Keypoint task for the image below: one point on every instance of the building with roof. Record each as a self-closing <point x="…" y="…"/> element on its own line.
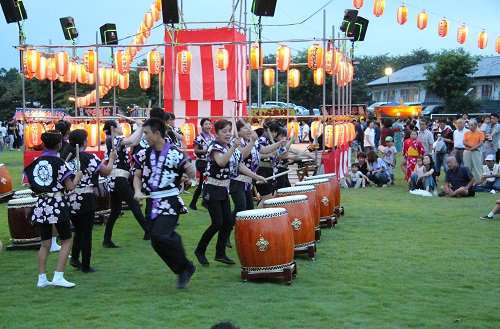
<point x="406" y="84"/>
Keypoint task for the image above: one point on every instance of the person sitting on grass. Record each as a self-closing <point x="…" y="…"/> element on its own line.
<point x="355" y="178"/>
<point x="377" y="173"/>
<point x="493" y="212"/>
<point x="424" y="179"/>
<point x="490" y="181"/>
<point x="458" y="181"/>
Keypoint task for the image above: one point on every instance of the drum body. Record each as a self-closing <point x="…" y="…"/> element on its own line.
<point x="307" y="190"/>
<point x="324" y="195"/>
<point x="23" y="194"/>
<point x="5" y="181"/>
<point x="103" y="201"/>
<point x="335" y="185"/>
<point x="264" y="240"/>
<point x="300" y="218"/>
<point x="19" y="212"/>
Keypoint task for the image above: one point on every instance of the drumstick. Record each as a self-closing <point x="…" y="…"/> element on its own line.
<point x="77" y="157"/>
<point x="270" y="136"/>
<point x="302" y="153"/>
<point x="145" y="197"/>
<point x="280" y="174"/>
<point x="68" y="157"/>
<point x="245" y="124"/>
<point x="112" y="139"/>
<point x="289" y="144"/>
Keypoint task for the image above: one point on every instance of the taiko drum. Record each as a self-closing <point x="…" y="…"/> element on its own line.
<point x="335" y="185"/>
<point x="310" y="192"/>
<point x="23" y="194"/>
<point x="300" y="217"/>
<point x="5" y="181"/>
<point x="19" y="212"/>
<point x="324" y="195"/>
<point x="264" y="240"/>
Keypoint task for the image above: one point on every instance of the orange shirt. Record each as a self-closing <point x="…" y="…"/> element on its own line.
<point x="473" y="138"/>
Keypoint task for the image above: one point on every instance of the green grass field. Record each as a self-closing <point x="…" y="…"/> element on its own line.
<point x="394" y="261"/>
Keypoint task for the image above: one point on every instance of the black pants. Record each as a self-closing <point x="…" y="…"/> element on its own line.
<point x="167" y="243"/>
<point x="242" y="199"/>
<point x="82" y="240"/>
<point x="123" y="192"/>
<point x="220" y="214"/>
<point x="200" y="167"/>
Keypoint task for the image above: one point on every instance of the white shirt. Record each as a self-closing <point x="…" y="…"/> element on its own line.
<point x="458" y="138"/>
<point x="488" y="171"/>
<point x="369" y="137"/>
<point x="305" y="133"/>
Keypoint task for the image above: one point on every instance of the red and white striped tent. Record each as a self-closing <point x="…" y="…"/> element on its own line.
<point x="206" y="91"/>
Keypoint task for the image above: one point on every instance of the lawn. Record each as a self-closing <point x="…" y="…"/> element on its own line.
<point x="395" y="260"/>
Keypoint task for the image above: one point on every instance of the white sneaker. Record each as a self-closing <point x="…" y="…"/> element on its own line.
<point x="61" y="282"/>
<point x="493" y="192"/>
<point x="385" y="185"/>
<point x="43" y="283"/>
<point x="55" y="247"/>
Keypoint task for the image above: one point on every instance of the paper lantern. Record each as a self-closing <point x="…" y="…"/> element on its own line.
<point x="123" y="83"/>
<point x="115" y="78"/>
<point x="145" y="79"/>
<point x="93" y="134"/>
<point x="41" y="72"/>
<point x="105" y="76"/>
<point x="329" y="142"/>
<point x="132" y="50"/>
<point x="62" y="62"/>
<point x="422" y="20"/>
<point x="122" y="62"/>
<point x="402" y="14"/>
<point x="292" y="126"/>
<point x="482" y="40"/>
<point x="221" y="59"/>
<point x="357" y="4"/>
<point x="319" y="76"/>
<point x="283" y="58"/>
<point x="248" y="78"/>
<point x="462" y="34"/>
<point x="146" y="32"/>
<point x="329" y="61"/>
<point x="148" y="20"/>
<point x="269" y="77"/>
<point x="158" y="4"/>
<point x="256" y="58"/>
<point x="443" y="28"/>
<point x="378" y="7"/>
<point x="155" y="13"/>
<point x="294" y="78"/>
<point x="91" y="78"/>
<point x="126" y="128"/>
<point x="62" y="78"/>
<point x="51" y="70"/>
<point x="89" y="61"/>
<point x="315" y="57"/>
<point x="32" y="60"/>
<point x="184" y="62"/>
<point x="81" y="74"/>
<point x="71" y="74"/>
<point x="497" y="45"/>
<point x="33" y="134"/>
<point x="154" y="62"/>
<point x="316" y="128"/>
<point x="189" y="132"/>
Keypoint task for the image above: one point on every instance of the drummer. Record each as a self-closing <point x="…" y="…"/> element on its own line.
<point x="83" y="202"/>
<point x="49" y="176"/>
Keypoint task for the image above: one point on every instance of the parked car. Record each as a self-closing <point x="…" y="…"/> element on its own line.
<point x="371" y="108"/>
<point x="432" y="109"/>
<point x="279" y="104"/>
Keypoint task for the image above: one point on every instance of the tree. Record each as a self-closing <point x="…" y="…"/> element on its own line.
<point x="450" y="78"/>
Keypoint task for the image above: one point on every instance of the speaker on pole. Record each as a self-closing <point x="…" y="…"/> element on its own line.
<point x="170" y="11"/>
<point x="109" y="36"/>
<point x="69" y="28"/>
<point x="13" y="10"/>
<point x="349" y="20"/>
<point x="359" y="30"/>
<point x="263" y="7"/>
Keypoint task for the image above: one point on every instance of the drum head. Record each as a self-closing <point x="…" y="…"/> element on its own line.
<point x="260" y="213"/>
<point x="313" y="182"/>
<point x="295" y="189"/>
<point x="320" y="176"/>
<point x="285" y="200"/>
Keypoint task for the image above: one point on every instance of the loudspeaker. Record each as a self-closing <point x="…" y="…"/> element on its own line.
<point x="69" y="28"/>
<point x="349" y="19"/>
<point x="109" y="36"/>
<point x="13" y="10"/>
<point x="359" y="30"/>
<point x="263" y="7"/>
<point x="170" y="11"/>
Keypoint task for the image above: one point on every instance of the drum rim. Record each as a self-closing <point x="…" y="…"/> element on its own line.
<point x="320" y="176"/>
<point x="22" y="201"/>
<point x="313" y="182"/>
<point x="258" y="213"/>
<point x="306" y="188"/>
<point x="291" y="199"/>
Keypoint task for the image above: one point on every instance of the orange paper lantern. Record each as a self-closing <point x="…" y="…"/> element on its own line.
<point x="292" y="126"/>
<point x="145" y="79"/>
<point x="482" y="40"/>
<point x="41" y="72"/>
<point x="221" y="59"/>
<point x="32" y="60"/>
<point x="283" y="58"/>
<point x="497" y="45"/>
<point x="184" y="62"/>
<point x="378" y="7"/>
<point x="269" y="77"/>
<point x="122" y="62"/>
<point x="154" y="62"/>
<point x="316" y="129"/>
<point x="248" y="78"/>
<point x="33" y="134"/>
<point x="123" y="83"/>
<point x="402" y="15"/>
<point x="148" y="20"/>
<point x="443" y="28"/>
<point x="158" y="4"/>
<point x="256" y="58"/>
<point x="329" y="61"/>
<point x="62" y="62"/>
<point x="315" y="57"/>
<point x="126" y="128"/>
<point x="93" y="134"/>
<point x="357" y="4"/>
<point x="71" y="74"/>
<point x="462" y="34"/>
<point x="146" y="32"/>
<point x="189" y="132"/>
<point x="294" y="78"/>
<point x="319" y="76"/>
<point x="422" y="20"/>
<point x="155" y="12"/>
<point x="81" y="74"/>
<point x="115" y="78"/>
<point x="329" y="142"/>
<point x="89" y="61"/>
<point x="91" y="78"/>
<point x="51" y="70"/>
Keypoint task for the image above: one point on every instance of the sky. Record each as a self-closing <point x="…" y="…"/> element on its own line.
<point x="293" y="20"/>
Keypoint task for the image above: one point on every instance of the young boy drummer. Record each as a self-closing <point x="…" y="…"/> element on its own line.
<point x="49" y="176"/>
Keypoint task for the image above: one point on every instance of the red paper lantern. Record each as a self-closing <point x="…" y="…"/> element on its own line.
<point x="62" y="62"/>
<point x="402" y="15"/>
<point x="422" y="20"/>
<point x="269" y="77"/>
<point x="357" y="4"/>
<point x="294" y="78"/>
<point x="189" y="132"/>
<point x="89" y="61"/>
<point x="482" y="40"/>
<point x="221" y="59"/>
<point x="283" y="58"/>
<point x="184" y="62"/>
<point x="319" y="76"/>
<point x="122" y="62"/>
<point x="51" y="69"/>
<point x="315" y="57"/>
<point x="462" y="34"/>
<point x="329" y="61"/>
<point x="32" y="60"/>
<point x="378" y="7"/>
<point x="497" y="45"/>
<point x="443" y="28"/>
<point x="154" y="62"/>
<point x="256" y="58"/>
<point x="145" y="79"/>
<point x="123" y="83"/>
<point x="41" y="72"/>
<point x="33" y="134"/>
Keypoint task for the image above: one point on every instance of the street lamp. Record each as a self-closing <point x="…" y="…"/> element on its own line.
<point x="388" y="72"/>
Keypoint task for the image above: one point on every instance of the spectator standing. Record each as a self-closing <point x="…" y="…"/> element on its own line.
<point x="369" y="140"/>
<point x="473" y="140"/>
<point x="425" y="136"/>
<point x="398" y="129"/>
<point x="444" y="135"/>
<point x="412" y="149"/>
<point x="11" y="127"/>
<point x="494" y="136"/>
<point x="458" y="141"/>
<point x="376" y="127"/>
<point x="304" y="131"/>
<point x="2" y="136"/>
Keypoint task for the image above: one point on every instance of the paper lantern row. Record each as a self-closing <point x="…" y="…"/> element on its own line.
<point x="336" y="135"/>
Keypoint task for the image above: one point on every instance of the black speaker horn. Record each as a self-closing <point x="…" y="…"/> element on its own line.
<point x="359" y="30"/>
<point x="263" y="7"/>
<point x="69" y="28"/>
<point x="170" y="11"/>
<point x="109" y="36"/>
<point x="349" y="20"/>
<point x="13" y="10"/>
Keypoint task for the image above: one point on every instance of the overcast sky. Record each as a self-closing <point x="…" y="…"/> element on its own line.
<point x="384" y="34"/>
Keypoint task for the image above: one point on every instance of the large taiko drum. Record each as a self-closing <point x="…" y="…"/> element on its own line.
<point x="301" y="220"/>
<point x="103" y="201"/>
<point x="336" y="188"/>
<point x="325" y="196"/>
<point x="264" y="241"/>
<point x="23" y="194"/>
<point x="5" y="182"/>
<point x="19" y="212"/>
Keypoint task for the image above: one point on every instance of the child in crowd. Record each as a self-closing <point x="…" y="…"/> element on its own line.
<point x="389" y="156"/>
<point x="425" y="180"/>
<point x="417" y="172"/>
<point x="355" y="178"/>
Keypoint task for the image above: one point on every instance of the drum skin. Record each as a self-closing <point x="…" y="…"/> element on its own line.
<point x="310" y="192"/>
<point x="5" y="181"/>
<point x="299" y="216"/>
<point x="324" y="194"/>
<point x="264" y="239"/>
<point x="19" y="212"/>
<point x="22" y="194"/>
<point x="335" y="184"/>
